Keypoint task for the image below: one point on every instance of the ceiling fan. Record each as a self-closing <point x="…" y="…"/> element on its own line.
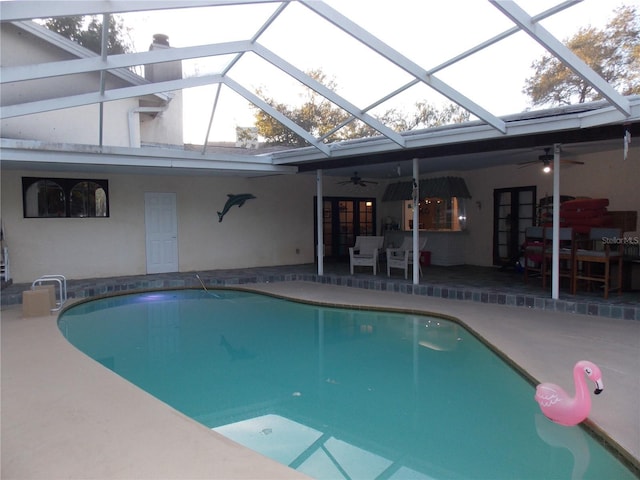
<point x="357" y="180"/>
<point x="547" y="161"/>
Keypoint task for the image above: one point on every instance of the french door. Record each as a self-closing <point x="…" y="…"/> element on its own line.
<point x="344" y="218"/>
<point x="514" y="209"/>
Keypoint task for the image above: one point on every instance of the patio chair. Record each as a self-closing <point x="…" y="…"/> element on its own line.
<point x="565" y="254"/>
<point x="604" y="249"/>
<point x="402" y="256"/>
<point x="365" y="252"/>
<point x="532" y="250"/>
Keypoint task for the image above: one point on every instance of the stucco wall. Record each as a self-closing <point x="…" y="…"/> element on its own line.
<point x="78" y="124"/>
<point x="81" y="125"/>
<point x="164" y="128"/>
<point x="603" y="175"/>
<point x="74" y="125"/>
<point x="274" y="229"/>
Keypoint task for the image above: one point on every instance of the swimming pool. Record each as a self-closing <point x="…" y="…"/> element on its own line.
<point x="335" y="393"/>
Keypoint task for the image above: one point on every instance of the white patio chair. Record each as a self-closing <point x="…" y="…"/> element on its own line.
<point x="402" y="256"/>
<point x="365" y="252"/>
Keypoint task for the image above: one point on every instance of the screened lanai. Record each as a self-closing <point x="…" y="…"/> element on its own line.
<point x="274" y="45"/>
<point x="174" y="118"/>
<point x="363" y="59"/>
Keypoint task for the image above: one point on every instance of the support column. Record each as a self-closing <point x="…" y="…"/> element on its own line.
<point x="319" y="222"/>
<point x="555" y="261"/>
<point x="416" y="222"/>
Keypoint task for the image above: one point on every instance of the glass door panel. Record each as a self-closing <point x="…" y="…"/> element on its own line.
<point x="365" y="217"/>
<point x="327" y="227"/>
<point x="346" y="236"/>
<point x="514" y="210"/>
<point x="343" y="220"/>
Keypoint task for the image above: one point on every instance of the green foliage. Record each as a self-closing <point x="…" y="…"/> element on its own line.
<point x="90" y="36"/>
<point x="319" y="117"/>
<point x="425" y="115"/>
<point x="613" y="53"/>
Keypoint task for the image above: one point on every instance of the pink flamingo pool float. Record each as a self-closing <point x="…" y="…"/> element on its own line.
<point x="558" y="406"/>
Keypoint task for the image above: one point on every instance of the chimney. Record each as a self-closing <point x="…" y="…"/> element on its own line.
<point x="160" y="39"/>
<point x="160" y="72"/>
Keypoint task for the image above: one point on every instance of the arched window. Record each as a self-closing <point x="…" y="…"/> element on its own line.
<point x="88" y="199"/>
<point x="64" y="197"/>
<point x="45" y="198"/>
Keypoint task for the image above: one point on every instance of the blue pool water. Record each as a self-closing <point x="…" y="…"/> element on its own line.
<point x="336" y="393"/>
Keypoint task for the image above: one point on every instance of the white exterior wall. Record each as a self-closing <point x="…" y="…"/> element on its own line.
<point x="79" y="124"/>
<point x="164" y="128"/>
<point x="604" y="175"/>
<point x="268" y="230"/>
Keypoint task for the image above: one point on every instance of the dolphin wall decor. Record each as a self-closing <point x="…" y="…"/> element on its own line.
<point x="234" y="200"/>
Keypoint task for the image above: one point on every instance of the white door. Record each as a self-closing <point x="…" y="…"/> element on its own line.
<point x="161" y="227"/>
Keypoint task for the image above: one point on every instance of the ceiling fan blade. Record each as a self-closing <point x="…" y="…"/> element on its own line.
<point x="357" y="180"/>
<point x="527" y="164"/>
<point x="530" y="162"/>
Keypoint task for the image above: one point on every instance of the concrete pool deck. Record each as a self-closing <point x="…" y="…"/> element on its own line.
<point x="66" y="416"/>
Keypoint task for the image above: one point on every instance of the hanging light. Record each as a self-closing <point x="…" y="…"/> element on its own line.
<point x="546" y="160"/>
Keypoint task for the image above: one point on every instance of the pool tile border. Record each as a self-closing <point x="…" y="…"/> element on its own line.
<point x="97" y="287"/>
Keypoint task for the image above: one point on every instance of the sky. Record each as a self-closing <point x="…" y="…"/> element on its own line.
<point x="427" y="32"/>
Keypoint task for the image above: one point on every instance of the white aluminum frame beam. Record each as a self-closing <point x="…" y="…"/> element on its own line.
<point x="31" y="151"/>
<point x="605" y="115"/>
<point x="96" y="64"/>
<point x="327" y="93"/>
<point x="27" y="10"/>
<point x="541" y="35"/>
<point x="336" y="18"/>
<point x="21" y="109"/>
<point x="290" y="124"/>
<point x="501" y="36"/>
<point x="461" y="56"/>
<point x="495" y="126"/>
<point x="235" y="60"/>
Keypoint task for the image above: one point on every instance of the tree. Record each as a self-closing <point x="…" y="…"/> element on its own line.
<point x="425" y="115"/>
<point x="73" y="28"/>
<point x="613" y="53"/>
<point x="319" y="116"/>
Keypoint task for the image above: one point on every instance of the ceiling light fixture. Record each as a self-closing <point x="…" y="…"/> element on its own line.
<point x="546" y="160"/>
